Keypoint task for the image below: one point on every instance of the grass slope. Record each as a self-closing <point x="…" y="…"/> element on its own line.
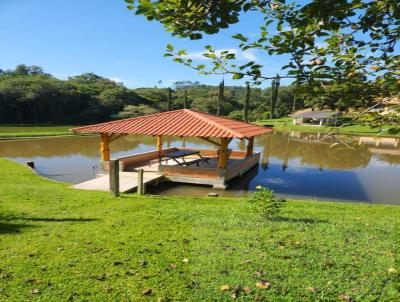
<point x="285" y="124"/>
<point x="59" y="244"/>
<point x="33" y="131"/>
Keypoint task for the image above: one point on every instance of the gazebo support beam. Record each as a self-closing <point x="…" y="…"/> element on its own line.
<point x="223" y="153"/>
<point x="159" y="143"/>
<point x="250" y="147"/>
<point x="105" y="147"/>
<point x="210" y="141"/>
<point x="114" y="137"/>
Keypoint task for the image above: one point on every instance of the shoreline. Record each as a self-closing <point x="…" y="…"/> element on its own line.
<point x="275" y="126"/>
<point x="286" y="126"/>
<point x="6" y="138"/>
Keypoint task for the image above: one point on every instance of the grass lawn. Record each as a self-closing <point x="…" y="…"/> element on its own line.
<point x="59" y="244"/>
<point x="32" y="131"/>
<point x="283" y="124"/>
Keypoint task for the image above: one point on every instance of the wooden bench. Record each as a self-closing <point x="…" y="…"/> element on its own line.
<point x="181" y="154"/>
<point x="198" y="161"/>
<point x="158" y="161"/>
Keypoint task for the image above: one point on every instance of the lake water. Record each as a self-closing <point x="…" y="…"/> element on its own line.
<point x="293" y="164"/>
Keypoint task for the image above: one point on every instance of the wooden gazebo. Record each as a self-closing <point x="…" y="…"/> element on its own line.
<point x="224" y="163"/>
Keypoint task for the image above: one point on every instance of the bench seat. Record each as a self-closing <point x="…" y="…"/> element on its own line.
<point x="198" y="161"/>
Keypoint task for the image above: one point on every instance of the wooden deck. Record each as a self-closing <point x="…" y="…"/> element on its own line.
<point x="203" y="172"/>
<point x="127" y="181"/>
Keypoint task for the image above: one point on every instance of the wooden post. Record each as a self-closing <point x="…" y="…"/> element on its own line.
<point x="114" y="177"/>
<point x="223" y="153"/>
<point x="159" y="143"/>
<point x="105" y="147"/>
<point x="31" y="164"/>
<point x="250" y="146"/>
<point x="140" y="184"/>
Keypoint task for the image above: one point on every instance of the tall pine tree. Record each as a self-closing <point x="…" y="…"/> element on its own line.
<point x="275" y="88"/>
<point x="246" y="103"/>
<point x="220" y="97"/>
<point x="185" y="99"/>
<point x="169" y="99"/>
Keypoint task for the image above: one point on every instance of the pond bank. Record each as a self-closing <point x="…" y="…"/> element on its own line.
<point x="286" y="124"/>
<point x="32" y="131"/>
<point x="54" y="238"/>
<point x="293" y="164"/>
<point x="283" y="124"/>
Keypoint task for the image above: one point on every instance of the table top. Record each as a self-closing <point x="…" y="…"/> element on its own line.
<point x="183" y="153"/>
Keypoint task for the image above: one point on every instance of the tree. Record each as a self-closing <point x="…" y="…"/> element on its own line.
<point x="35" y="70"/>
<point x="36" y="98"/>
<point x="353" y="42"/>
<point x="275" y="91"/>
<point x="134" y="111"/>
<point x="23" y="69"/>
<point x="88" y="77"/>
<point x="169" y="106"/>
<point x="185" y="84"/>
<point x="185" y="100"/>
<point x="246" y="103"/>
<point x="220" y="100"/>
<point x="289" y="100"/>
<point x="114" y="99"/>
<point x="33" y="99"/>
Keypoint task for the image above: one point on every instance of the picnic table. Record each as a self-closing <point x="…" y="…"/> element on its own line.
<point x="175" y="155"/>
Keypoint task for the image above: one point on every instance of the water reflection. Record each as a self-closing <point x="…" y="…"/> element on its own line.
<point x="311" y="149"/>
<point x="292" y="163"/>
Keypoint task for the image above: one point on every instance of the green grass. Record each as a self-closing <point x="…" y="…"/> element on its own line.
<point x="286" y="124"/>
<point x="59" y="244"/>
<point x="33" y="131"/>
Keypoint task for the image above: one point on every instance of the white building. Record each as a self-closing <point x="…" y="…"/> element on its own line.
<point x="316" y="118"/>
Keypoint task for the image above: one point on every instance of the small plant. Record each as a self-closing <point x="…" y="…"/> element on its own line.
<point x="267" y="204"/>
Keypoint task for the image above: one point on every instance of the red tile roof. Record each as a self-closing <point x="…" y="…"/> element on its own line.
<point x="183" y="122"/>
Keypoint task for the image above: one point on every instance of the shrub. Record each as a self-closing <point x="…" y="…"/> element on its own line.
<point x="134" y="111"/>
<point x="236" y="114"/>
<point x="267" y="204"/>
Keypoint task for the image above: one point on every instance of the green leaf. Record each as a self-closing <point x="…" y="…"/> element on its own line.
<point x="170" y="47"/>
<point x="237" y="76"/>
<point x="195" y="36"/>
<point x="240" y="37"/>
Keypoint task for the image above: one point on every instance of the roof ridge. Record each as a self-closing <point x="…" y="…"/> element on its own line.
<point x="201" y="116"/>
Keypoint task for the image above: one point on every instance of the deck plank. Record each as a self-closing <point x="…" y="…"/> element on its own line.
<point x="127" y="181"/>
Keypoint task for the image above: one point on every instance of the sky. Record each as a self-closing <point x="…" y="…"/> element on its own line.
<point x="67" y="38"/>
